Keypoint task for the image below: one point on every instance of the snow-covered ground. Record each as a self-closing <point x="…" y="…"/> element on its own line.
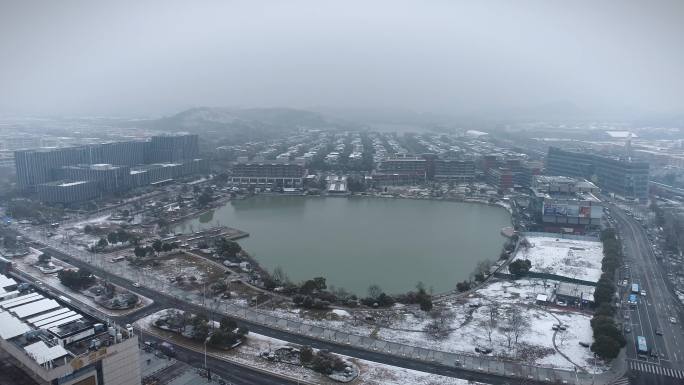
<point x="469" y="325"/>
<point x="580" y="259"/>
<point x="372" y="373"/>
<point x="27" y="265"/>
<point x="459" y="325"/>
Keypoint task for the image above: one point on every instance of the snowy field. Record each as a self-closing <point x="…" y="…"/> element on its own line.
<point x="460" y="325"/>
<point x="565" y="257"/>
<point x="468" y="325"/>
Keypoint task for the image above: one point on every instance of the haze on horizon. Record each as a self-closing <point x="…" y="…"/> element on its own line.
<point x="449" y="57"/>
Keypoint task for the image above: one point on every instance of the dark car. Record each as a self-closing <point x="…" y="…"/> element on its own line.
<point x="483" y="350"/>
<point x="659" y="332"/>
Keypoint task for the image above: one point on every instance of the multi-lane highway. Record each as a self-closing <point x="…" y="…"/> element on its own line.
<point x="664" y="361"/>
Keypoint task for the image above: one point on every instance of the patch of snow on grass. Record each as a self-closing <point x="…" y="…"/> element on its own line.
<point x="570" y="258"/>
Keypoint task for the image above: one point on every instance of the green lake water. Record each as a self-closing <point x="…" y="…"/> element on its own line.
<point x="356" y="242"/>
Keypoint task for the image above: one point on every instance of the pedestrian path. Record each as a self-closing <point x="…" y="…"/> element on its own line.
<point x="655" y="369"/>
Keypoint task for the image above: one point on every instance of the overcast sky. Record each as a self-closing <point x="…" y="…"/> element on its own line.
<point x="157" y="57"/>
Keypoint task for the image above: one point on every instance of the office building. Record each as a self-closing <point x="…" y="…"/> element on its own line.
<point x="122" y="153"/>
<point x="67" y="191"/>
<point x="566" y="204"/>
<point x="454" y="170"/>
<point x="401" y="170"/>
<point x="623" y="177"/>
<point x="158" y="172"/>
<point x="528" y="170"/>
<point x="59" y="173"/>
<point x="500" y="178"/>
<point x="109" y="177"/>
<point x="268" y="174"/>
<point x="55" y="343"/>
<point x="37" y="166"/>
<point x="172" y="148"/>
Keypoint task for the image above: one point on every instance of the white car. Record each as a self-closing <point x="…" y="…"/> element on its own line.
<point x="136" y="284"/>
<point x="673" y="320"/>
<point x="643" y="292"/>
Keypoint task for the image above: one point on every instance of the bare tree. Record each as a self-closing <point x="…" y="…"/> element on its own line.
<point x="279" y="275"/>
<point x="493" y="313"/>
<point x="490" y="323"/>
<point x="374" y="291"/>
<point x="509" y="334"/>
<point x="484" y="266"/>
<point x="515" y="326"/>
<point x="487" y="326"/>
<point x="518" y="323"/>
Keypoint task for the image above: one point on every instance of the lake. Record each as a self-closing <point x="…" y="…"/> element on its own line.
<point x="356" y="242"/>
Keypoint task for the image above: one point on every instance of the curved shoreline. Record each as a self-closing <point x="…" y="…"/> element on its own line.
<point x="449" y="285"/>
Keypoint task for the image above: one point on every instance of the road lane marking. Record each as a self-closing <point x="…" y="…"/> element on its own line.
<point x="655" y="369"/>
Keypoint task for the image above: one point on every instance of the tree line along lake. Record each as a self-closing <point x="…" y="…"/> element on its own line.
<point x="359" y="241"/>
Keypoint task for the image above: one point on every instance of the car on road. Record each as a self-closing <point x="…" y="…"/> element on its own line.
<point x="659" y="332"/>
<point x="628" y="329"/>
<point x="136" y="284"/>
<point x="673" y="320"/>
<point x="643" y="293"/>
<point x="625" y="282"/>
<point x="654" y="353"/>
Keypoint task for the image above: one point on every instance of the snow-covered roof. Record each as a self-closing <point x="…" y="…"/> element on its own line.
<point x="13" y="302"/>
<point x="34" y="308"/>
<point x="51" y="319"/>
<point x="47" y="315"/>
<point x="69" y="184"/>
<point x="11" y="326"/>
<point x="6" y="282"/>
<point x="63" y="321"/>
<point x="6" y="294"/>
<point x="43" y="353"/>
<point x="621" y="134"/>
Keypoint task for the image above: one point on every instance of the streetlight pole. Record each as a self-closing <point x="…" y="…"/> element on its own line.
<point x="205" y="352"/>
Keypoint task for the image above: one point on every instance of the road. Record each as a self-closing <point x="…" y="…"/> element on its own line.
<point x="653" y="311"/>
<point x="236" y="374"/>
<point x="163" y="300"/>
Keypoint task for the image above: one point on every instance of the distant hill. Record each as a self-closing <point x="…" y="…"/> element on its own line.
<point x="238" y="124"/>
<point x="218" y="117"/>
